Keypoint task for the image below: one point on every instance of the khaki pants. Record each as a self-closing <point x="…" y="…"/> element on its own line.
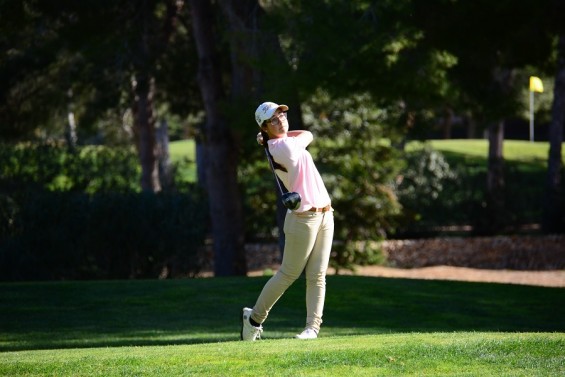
<point x="308" y="243"/>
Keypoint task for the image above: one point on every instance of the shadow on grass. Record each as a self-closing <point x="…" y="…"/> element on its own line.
<point x="141" y="313"/>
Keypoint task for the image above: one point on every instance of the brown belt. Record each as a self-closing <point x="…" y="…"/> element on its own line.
<point x="324" y="209"/>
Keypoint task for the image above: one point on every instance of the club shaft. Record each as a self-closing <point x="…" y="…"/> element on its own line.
<point x="273" y="170"/>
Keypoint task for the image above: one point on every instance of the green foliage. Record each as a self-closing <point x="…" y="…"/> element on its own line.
<point x="486" y="74"/>
<point x="358" y="166"/>
<point x="78" y="215"/>
<point x="60" y="59"/>
<point x="257" y="186"/>
<point x="422" y="180"/>
<point x="260" y="200"/>
<point x="421" y="190"/>
<point x="363" y="46"/>
<point x="8" y="213"/>
<point x="58" y="235"/>
<point x="91" y="169"/>
<point x="444" y="185"/>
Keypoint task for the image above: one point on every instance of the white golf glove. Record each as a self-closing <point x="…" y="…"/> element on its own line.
<point x="260" y="138"/>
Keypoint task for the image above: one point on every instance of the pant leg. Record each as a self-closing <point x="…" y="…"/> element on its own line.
<point x="300" y="237"/>
<point x="316" y="269"/>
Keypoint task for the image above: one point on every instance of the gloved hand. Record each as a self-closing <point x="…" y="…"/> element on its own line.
<point x="260" y="138"/>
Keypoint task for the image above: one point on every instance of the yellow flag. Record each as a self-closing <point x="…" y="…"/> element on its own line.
<point x="535" y="84"/>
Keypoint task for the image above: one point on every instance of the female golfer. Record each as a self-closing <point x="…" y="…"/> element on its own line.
<point x="308" y="230"/>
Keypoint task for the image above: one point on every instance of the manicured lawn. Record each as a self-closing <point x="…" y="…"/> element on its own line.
<point x="523" y="155"/>
<point x="183" y="154"/>
<point x="513" y="150"/>
<point x="373" y="326"/>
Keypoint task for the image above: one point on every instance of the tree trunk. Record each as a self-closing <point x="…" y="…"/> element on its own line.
<point x="250" y="43"/>
<point x="554" y="206"/>
<point x="495" y="179"/>
<point x="252" y="85"/>
<point x="165" y="168"/>
<point x="496" y="216"/>
<point x="447" y="123"/>
<point x="220" y="149"/>
<point x="71" y="129"/>
<point x="151" y="38"/>
<point x="144" y="128"/>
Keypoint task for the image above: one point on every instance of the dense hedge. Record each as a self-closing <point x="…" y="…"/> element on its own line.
<point x="436" y="196"/>
<point x="89" y="169"/>
<point x="79" y="215"/>
<point x="57" y="235"/>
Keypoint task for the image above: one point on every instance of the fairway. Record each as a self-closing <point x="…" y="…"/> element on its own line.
<point x="373" y="326"/>
<point x="524" y="154"/>
<point x="461" y="354"/>
<point x="514" y="150"/>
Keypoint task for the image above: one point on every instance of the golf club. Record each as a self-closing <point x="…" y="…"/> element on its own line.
<point x="290" y="200"/>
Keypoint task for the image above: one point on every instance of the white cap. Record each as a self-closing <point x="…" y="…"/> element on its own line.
<point x="266" y="110"/>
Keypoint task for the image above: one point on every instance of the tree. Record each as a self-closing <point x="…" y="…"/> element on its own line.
<point x="100" y="51"/>
<point x="220" y="148"/>
<point x="490" y="41"/>
<point x="554" y="204"/>
<point x="151" y="29"/>
<point x="33" y="69"/>
<point x="359" y="170"/>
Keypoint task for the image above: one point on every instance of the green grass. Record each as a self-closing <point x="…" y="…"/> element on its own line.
<point x="183" y="153"/>
<point x="524" y="155"/>
<point x="373" y="326"/>
<point x="513" y="150"/>
<point x="448" y="354"/>
<point x="525" y="175"/>
<point x="182" y="149"/>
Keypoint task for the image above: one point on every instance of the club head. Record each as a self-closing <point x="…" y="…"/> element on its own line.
<point x="291" y="200"/>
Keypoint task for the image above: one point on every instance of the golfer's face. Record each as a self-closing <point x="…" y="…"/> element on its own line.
<point x="277" y="126"/>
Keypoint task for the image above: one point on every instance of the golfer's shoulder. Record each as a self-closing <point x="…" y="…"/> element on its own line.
<point x="281" y="143"/>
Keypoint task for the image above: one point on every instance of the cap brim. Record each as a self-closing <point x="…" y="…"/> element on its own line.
<point x="272" y="112"/>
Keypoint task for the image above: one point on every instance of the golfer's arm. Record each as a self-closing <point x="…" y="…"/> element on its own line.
<point x="305" y="136"/>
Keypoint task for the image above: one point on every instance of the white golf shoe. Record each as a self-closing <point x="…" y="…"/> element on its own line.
<point x="308" y="333"/>
<point x="248" y="331"/>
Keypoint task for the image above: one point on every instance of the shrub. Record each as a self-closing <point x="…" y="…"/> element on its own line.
<point x="421" y="189"/>
<point x="61" y="235"/>
<point x="91" y="169"/>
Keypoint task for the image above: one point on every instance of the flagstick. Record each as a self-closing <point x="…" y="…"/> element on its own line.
<point x="531" y="116"/>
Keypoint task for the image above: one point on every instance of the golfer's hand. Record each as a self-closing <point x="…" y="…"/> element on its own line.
<point x="260" y="138"/>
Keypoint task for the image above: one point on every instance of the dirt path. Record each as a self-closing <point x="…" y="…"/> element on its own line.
<point x="541" y="278"/>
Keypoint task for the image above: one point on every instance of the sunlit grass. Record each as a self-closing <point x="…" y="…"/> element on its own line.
<point x="183" y="154"/>
<point x="513" y="150"/>
<point x="416" y="354"/>
<point x="182" y="149"/>
<point x="524" y="155"/>
<point x="373" y="326"/>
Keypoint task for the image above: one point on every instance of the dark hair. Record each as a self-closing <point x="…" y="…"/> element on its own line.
<point x="266" y="145"/>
